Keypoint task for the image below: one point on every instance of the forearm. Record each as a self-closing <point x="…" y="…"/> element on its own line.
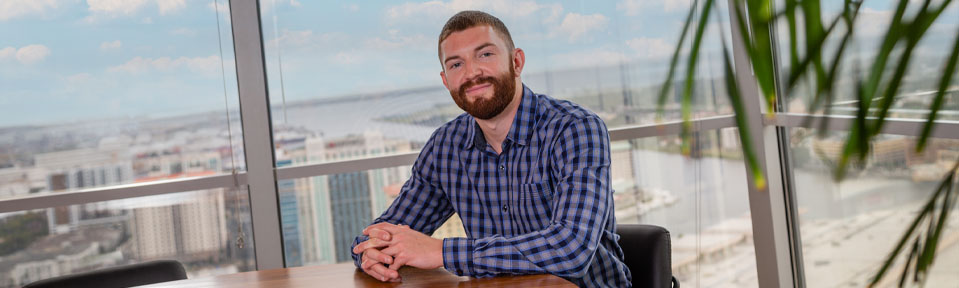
<point x="560" y="250"/>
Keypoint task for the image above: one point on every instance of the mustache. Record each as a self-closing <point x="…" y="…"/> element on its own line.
<point x="477" y="81"/>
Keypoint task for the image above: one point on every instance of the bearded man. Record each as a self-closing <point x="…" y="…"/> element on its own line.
<point x="527" y="174"/>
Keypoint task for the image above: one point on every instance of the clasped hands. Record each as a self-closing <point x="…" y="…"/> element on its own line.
<point x="396" y="246"/>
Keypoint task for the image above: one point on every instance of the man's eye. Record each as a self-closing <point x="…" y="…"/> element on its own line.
<point x="455" y="65"/>
<point x="486" y="54"/>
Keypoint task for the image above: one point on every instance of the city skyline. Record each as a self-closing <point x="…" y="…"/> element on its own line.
<point x="158" y="58"/>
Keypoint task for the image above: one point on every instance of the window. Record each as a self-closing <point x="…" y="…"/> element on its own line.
<point x="136" y="90"/>
<point x="199" y="229"/>
<point x="99" y="94"/>
<point x="322" y="215"/>
<point x="843" y="225"/>
<point x="916" y="92"/>
<point x="702" y="200"/>
<point x="348" y="72"/>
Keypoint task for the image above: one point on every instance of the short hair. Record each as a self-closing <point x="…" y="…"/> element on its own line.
<point x="469" y="19"/>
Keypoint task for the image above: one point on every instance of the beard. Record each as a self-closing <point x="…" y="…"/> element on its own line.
<point x="504" y="87"/>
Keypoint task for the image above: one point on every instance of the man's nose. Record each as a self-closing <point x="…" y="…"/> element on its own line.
<point x="472" y="71"/>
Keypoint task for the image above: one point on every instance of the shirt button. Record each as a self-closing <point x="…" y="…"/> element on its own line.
<point x="502" y="167"/>
<point x="505" y="208"/>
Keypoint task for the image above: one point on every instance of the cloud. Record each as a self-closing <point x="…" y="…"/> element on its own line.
<point x="397" y="41"/>
<point x="100" y="9"/>
<point x="111" y="45"/>
<point x="183" y="32"/>
<point x="168" y="6"/>
<point x="588" y="58"/>
<point x="347" y="57"/>
<point x="224" y="9"/>
<point x="267" y="5"/>
<point x="651" y="48"/>
<point x="10" y="9"/>
<point x="79" y="78"/>
<point x="27" y="55"/>
<point x="872" y="23"/>
<point x="637" y="7"/>
<point x="441" y="9"/>
<point x="576" y="25"/>
<point x="351" y="7"/>
<point x="307" y="41"/>
<point x="209" y="65"/>
<point x="115" y="7"/>
<point x="7" y="53"/>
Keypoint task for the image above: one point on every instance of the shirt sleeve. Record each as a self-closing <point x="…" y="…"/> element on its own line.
<point x="580" y="166"/>
<point x="421" y="204"/>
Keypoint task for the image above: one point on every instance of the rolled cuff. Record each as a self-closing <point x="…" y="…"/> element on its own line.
<point x="458" y="256"/>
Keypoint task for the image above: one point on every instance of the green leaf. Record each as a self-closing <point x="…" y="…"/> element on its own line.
<point x="928" y="254"/>
<point x="926" y="209"/>
<point x="664" y="92"/>
<point x="905" y="271"/>
<point x="892" y="36"/>
<point x="745" y="137"/>
<point x="760" y="16"/>
<point x="915" y="30"/>
<point x="691" y="75"/>
<point x="939" y="100"/>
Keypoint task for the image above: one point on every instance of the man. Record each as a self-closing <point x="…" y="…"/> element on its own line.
<point x="527" y="174"/>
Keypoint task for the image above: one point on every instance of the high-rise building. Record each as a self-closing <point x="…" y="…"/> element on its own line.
<point x="351" y="209"/>
<point x="190" y="227"/>
<point x="83" y="168"/>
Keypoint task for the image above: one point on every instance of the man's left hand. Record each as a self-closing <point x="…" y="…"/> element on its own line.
<point x="410" y="247"/>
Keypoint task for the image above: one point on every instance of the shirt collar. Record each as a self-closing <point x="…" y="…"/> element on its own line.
<point x="523" y="124"/>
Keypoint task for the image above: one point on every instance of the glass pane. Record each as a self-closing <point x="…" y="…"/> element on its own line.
<point x="919" y="84"/>
<point x="96" y="95"/>
<point x="339" y="70"/>
<point x="322" y="215"/>
<point x="199" y="229"/>
<point x="848" y="228"/>
<point x="702" y="199"/>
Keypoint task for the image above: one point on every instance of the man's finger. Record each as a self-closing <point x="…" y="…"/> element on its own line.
<point x="378" y="256"/>
<point x="400" y="261"/>
<point x="380" y="234"/>
<point x="366" y="231"/>
<point x="390" y="251"/>
<point x="375" y="273"/>
<point x="371" y="243"/>
<point x="386" y="273"/>
<point x="393" y="229"/>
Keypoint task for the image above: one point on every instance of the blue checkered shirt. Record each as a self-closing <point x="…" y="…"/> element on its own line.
<point x="544" y="205"/>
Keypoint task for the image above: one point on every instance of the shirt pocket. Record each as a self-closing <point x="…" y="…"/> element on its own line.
<point x="534" y="207"/>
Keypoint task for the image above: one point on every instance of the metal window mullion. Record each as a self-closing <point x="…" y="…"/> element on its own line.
<point x="904" y="127"/>
<point x="671" y="128"/>
<point x="767" y="206"/>
<point x="257" y="133"/>
<point x="85" y="196"/>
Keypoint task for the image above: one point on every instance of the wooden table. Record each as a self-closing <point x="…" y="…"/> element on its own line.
<point x="346" y="275"/>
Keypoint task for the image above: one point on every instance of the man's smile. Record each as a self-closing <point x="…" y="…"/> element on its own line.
<point x="478" y="88"/>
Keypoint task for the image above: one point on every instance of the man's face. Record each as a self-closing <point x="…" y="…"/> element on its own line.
<point x="478" y="71"/>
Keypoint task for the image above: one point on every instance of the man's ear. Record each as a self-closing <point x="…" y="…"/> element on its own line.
<point x="519" y="59"/>
<point x="443" y="75"/>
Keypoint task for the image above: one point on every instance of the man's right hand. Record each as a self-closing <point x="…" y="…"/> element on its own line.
<point x="372" y="259"/>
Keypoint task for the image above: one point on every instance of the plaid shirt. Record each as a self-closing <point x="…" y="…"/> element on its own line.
<point x="544" y="205"/>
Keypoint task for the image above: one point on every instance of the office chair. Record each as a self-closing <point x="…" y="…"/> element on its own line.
<point x="120" y="276"/>
<point x="646" y="252"/>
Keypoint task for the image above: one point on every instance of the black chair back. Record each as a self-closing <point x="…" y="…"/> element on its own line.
<point x="646" y="252"/>
<point x="120" y="276"/>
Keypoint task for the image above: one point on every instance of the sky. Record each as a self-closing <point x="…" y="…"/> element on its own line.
<point x="71" y="60"/>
